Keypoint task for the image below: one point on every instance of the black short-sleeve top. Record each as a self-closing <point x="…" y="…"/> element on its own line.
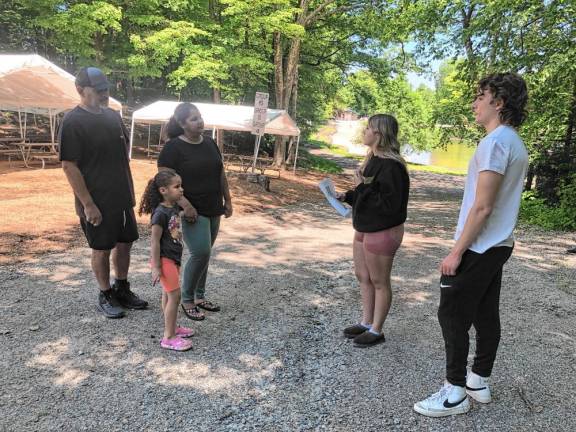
<point x="200" y="167"/>
<point x="98" y="143"/>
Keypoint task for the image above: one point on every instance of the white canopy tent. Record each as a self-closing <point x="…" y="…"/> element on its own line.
<point x="220" y="117"/>
<point x="32" y="84"/>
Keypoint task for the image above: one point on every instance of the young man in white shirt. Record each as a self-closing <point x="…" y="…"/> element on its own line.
<point x="471" y="274"/>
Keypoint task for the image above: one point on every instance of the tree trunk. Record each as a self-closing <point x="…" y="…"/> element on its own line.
<point x="278" y="71"/>
<point x="467" y="40"/>
<point x="293" y="112"/>
<point x="291" y="71"/>
<point x="571" y="127"/>
<point x="286" y="76"/>
<point x="129" y="85"/>
<point x="280" y="151"/>
<point x="529" y="177"/>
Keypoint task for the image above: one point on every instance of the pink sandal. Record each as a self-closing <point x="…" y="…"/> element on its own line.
<point x="176" y="344"/>
<point x="185" y="332"/>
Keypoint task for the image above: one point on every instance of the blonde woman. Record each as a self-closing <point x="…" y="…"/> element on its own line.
<point x="379" y="203"/>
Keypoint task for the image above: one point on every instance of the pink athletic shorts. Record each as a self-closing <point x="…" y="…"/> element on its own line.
<point x="170" y="279"/>
<point x="385" y="242"/>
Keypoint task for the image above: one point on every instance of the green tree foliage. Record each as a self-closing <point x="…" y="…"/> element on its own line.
<point x="534" y="38"/>
<point x="368" y="94"/>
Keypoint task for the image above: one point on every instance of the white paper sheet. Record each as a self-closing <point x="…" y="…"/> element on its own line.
<point x="327" y="188"/>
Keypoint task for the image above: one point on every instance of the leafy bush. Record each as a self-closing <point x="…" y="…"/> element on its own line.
<point x="535" y="211"/>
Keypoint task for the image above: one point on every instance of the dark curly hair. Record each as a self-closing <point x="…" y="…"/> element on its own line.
<point x="152" y="196"/>
<point x="512" y="91"/>
<point x="181" y="113"/>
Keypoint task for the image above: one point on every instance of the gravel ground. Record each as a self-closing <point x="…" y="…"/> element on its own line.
<point x="274" y="358"/>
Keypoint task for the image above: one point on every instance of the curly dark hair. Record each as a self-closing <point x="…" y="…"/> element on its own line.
<point x="152" y="196"/>
<point x="512" y="91"/>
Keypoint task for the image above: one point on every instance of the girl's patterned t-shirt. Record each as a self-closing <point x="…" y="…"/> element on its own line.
<point x="171" y="241"/>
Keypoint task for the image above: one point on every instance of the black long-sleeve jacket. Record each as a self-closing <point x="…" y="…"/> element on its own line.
<point x="381" y="201"/>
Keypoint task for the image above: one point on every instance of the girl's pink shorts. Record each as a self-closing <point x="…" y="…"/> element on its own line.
<point x="170" y="279"/>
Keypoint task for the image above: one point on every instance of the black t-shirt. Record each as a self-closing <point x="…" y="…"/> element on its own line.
<point x="171" y="241"/>
<point x="380" y="202"/>
<point x="200" y="166"/>
<point x="99" y="145"/>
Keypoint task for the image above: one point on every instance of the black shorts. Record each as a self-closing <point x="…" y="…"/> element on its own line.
<point x="116" y="227"/>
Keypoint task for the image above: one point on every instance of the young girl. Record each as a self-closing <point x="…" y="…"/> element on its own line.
<point x="379" y="204"/>
<point x="159" y="200"/>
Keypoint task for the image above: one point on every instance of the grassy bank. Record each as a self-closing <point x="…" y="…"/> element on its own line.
<point x="435" y="169"/>
<point x="312" y="162"/>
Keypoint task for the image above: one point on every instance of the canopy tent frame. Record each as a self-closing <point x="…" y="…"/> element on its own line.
<point x="219" y="117"/>
<point x="30" y="84"/>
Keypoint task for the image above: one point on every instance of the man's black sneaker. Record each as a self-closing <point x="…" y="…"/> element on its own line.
<point x="109" y="306"/>
<point x="126" y="297"/>
<point x="572" y="251"/>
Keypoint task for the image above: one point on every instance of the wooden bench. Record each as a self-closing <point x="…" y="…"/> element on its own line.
<point x="148" y="152"/>
<point x="44" y="157"/>
<point x="11" y="153"/>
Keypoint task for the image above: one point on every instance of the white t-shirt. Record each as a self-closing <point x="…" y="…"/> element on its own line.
<point x="501" y="151"/>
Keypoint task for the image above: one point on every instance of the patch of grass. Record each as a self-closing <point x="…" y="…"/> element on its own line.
<point x="325" y="133"/>
<point x="335" y="150"/>
<point x="435" y="169"/>
<point x="317" y="144"/>
<point x="317" y="163"/>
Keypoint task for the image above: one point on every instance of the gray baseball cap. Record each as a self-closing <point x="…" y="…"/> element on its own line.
<point x="92" y="77"/>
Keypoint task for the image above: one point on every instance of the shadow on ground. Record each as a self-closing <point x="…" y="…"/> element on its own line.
<point x="273" y="359"/>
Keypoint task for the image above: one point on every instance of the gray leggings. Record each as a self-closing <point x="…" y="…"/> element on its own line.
<point x="199" y="238"/>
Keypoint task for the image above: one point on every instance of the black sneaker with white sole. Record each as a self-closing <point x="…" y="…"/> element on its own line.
<point x="109" y="306"/>
<point x="126" y="297"/>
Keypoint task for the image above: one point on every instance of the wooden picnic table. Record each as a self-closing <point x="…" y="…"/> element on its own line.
<point x="10" y="139"/>
<point x="245" y="163"/>
<point x="45" y="151"/>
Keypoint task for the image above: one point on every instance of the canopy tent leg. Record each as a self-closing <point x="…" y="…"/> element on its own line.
<point x="160" y="135"/>
<point x="20" y="125"/>
<point x="51" y="126"/>
<point x="296" y="154"/>
<point x="25" y="125"/>
<point x="213" y="133"/>
<point x="148" y="144"/>
<point x="131" y="139"/>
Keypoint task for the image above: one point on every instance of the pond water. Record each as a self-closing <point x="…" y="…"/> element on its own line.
<point x="454" y="157"/>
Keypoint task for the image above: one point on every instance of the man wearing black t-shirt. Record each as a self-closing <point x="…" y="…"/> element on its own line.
<point x="94" y="155"/>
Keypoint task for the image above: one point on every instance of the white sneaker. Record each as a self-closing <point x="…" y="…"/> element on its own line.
<point x="450" y="400"/>
<point x="477" y="388"/>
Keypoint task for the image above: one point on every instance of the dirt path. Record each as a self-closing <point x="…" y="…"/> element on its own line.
<point x="273" y="359"/>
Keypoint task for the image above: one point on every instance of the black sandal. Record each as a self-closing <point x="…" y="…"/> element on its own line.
<point x="193" y="313"/>
<point x="208" y="305"/>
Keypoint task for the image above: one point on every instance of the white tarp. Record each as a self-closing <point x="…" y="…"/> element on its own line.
<point x="217" y="116"/>
<point x="32" y="84"/>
